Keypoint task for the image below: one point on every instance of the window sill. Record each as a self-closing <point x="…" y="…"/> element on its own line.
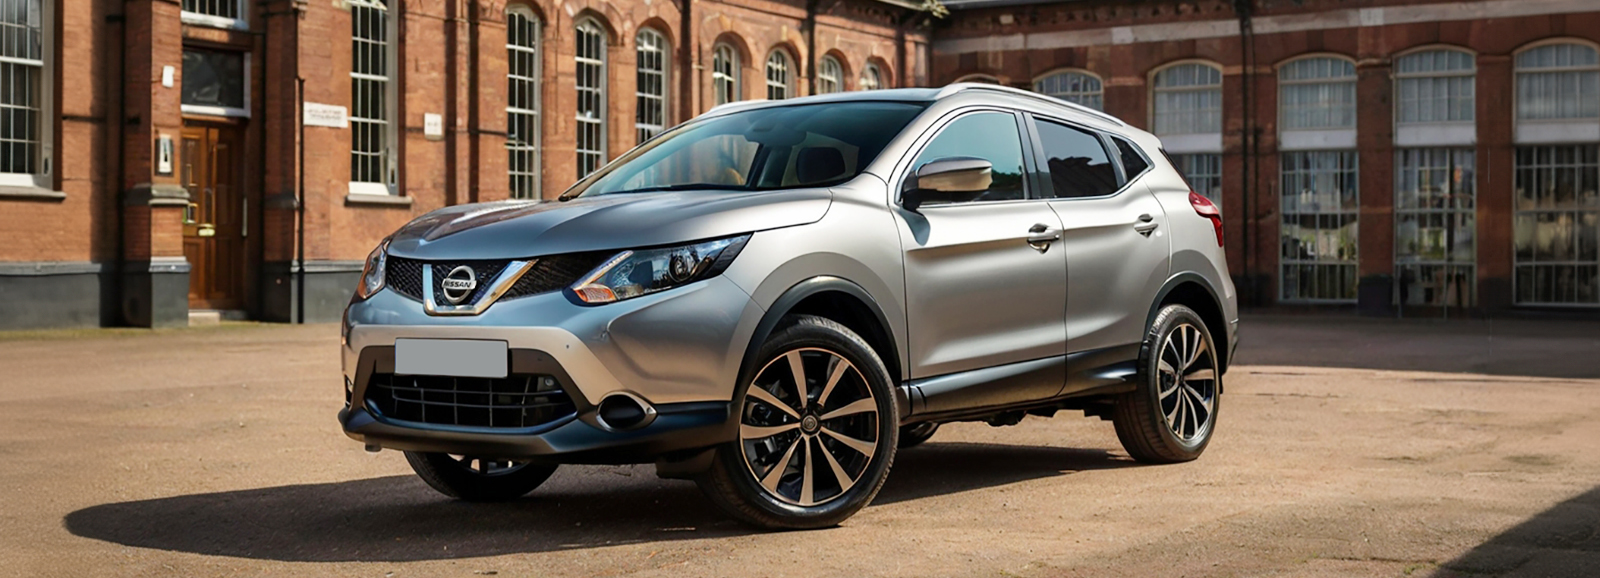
<point x="377" y="200"/>
<point x="30" y="193"/>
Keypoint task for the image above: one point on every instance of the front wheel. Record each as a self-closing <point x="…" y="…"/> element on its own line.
<point x="1172" y="414"/>
<point x="478" y="479"/>
<point x="818" y="429"/>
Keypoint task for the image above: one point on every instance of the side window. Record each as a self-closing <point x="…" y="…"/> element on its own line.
<point x="991" y="136"/>
<point x="1077" y="161"/>
<point x="1133" y="163"/>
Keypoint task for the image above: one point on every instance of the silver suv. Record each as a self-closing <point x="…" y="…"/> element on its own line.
<point x="774" y="298"/>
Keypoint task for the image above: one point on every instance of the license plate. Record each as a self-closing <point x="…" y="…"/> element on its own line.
<point x="451" y="357"/>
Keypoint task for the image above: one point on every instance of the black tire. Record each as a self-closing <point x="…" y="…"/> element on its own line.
<point x="1141" y="416"/>
<point x="456" y="477"/>
<point x="818" y="343"/>
<point x="915" y="434"/>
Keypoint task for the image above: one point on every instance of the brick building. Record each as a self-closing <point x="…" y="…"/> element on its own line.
<point x="162" y="156"/>
<point x="1409" y="153"/>
<point x="153" y="158"/>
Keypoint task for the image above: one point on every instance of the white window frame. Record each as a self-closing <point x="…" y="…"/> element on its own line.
<point x="658" y="43"/>
<point x="227" y="111"/>
<point x="389" y="186"/>
<point x="42" y="176"/>
<point x="1193" y="141"/>
<point x="1451" y="211"/>
<point x="830" y="72"/>
<point x="534" y="151"/>
<point x="1208" y="184"/>
<point x="721" y="54"/>
<point x="781" y="65"/>
<point x="1565" y="130"/>
<point x="1317" y="206"/>
<point x="1445" y="133"/>
<point x="202" y="19"/>
<point x="871" y="77"/>
<point x="599" y="122"/>
<point x="1091" y="98"/>
<point x="1311" y="138"/>
<point x="1539" y="210"/>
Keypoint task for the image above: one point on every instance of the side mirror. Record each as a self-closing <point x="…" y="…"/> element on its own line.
<point x="948" y="179"/>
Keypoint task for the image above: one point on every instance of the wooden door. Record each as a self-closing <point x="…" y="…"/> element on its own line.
<point x="214" y="227"/>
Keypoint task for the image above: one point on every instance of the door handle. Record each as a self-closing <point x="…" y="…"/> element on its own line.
<point x="1040" y="237"/>
<point x="1146" y="225"/>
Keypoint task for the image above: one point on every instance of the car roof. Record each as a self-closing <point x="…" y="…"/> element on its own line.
<point x="973" y="92"/>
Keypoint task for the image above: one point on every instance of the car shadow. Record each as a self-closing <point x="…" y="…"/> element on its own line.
<point x="1561" y="541"/>
<point x="397" y="518"/>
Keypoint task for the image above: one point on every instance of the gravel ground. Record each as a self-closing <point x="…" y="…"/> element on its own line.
<point x="1345" y="447"/>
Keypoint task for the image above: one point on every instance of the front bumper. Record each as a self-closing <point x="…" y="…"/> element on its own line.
<point x="678" y="351"/>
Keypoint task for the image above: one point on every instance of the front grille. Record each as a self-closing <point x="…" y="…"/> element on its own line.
<point x="552" y="273"/>
<point x="513" y="402"/>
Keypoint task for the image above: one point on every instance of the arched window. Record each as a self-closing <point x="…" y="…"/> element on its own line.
<point x="1074" y="87"/>
<point x="1317" y="93"/>
<point x="830" y="76"/>
<point x="372" y="154"/>
<point x="591" y="73"/>
<point x="522" y="102"/>
<point x="871" y="77"/>
<point x="652" y="83"/>
<point x="1186" y="107"/>
<point x="25" y="93"/>
<point x="1558" y="81"/>
<point x="1435" y="86"/>
<point x="725" y="73"/>
<point x="779" y="80"/>
<point x="1435" y="188"/>
<point x="1320" y="199"/>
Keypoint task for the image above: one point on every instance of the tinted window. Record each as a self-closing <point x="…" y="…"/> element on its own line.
<point x="1133" y="163"/>
<point x="811" y="145"/>
<point x="1077" y="162"/>
<point x="991" y="136"/>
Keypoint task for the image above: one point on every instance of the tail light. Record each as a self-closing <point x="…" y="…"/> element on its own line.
<point x="1205" y="208"/>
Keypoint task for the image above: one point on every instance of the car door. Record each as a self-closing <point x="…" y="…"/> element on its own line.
<point x="1115" y="242"/>
<point x="985" y="283"/>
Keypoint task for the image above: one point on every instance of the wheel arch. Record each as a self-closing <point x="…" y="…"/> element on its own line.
<point x="833" y="298"/>
<point x="1193" y="291"/>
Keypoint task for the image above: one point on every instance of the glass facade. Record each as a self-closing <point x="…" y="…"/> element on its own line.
<point x="1435" y="238"/>
<point x="1320" y="240"/>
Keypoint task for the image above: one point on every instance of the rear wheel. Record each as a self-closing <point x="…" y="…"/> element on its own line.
<point x="478" y="479"/>
<point x="1172" y="414"/>
<point x="817" y="431"/>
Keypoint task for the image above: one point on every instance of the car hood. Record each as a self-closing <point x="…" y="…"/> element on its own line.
<point x="514" y="229"/>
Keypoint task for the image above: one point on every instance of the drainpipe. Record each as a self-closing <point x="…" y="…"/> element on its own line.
<point x="115" y="135"/>
<point x="811" y="44"/>
<point x="1250" y="170"/>
<point x="300" y="204"/>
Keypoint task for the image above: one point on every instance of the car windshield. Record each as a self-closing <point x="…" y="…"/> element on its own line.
<point x="783" y="147"/>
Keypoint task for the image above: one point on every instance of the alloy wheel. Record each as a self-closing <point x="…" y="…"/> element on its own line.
<point x="809" y="427"/>
<point x="1188" y="382"/>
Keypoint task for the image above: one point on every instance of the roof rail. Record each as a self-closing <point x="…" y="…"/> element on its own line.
<point x="966" y="86"/>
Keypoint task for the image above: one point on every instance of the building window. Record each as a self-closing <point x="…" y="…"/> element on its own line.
<point x="215" y="82"/>
<point x="1074" y="87"/>
<point x="591" y="73"/>
<point x="1204" y="173"/>
<point x="1435" y="86"/>
<point x="371" y="106"/>
<point x="1317" y="94"/>
<point x="871" y="77"/>
<point x="25" y="85"/>
<point x="1558" y="81"/>
<point x="830" y="76"/>
<point x="522" y="102"/>
<point x="1435" y="226"/>
<point x="1557" y="225"/>
<point x="1320" y="205"/>
<point x="220" y="13"/>
<point x="778" y="79"/>
<point x="652" y="86"/>
<point x="1188" y="100"/>
<point x="725" y="74"/>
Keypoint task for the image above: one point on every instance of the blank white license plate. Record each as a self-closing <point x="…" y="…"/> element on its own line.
<point x="451" y="357"/>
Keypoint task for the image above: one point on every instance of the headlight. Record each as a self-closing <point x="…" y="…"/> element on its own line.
<point x="641" y="272"/>
<point x="372" y="272"/>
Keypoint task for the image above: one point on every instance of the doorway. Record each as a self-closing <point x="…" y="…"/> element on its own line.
<point x="216" y="221"/>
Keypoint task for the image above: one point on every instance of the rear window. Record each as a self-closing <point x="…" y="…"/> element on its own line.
<point x="1133" y="162"/>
